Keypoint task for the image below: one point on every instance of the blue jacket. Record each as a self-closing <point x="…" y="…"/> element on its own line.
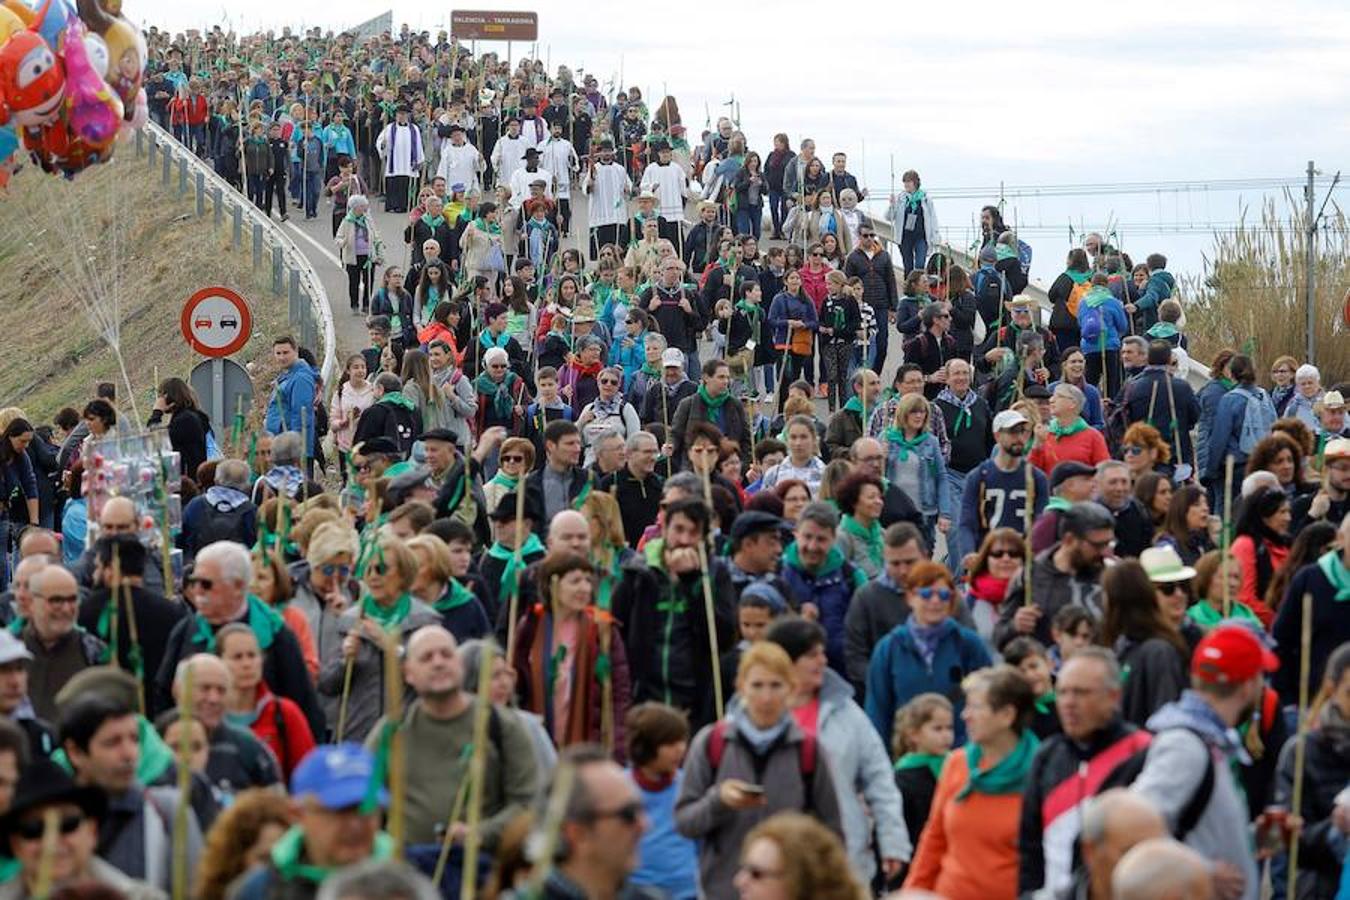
<point x="291" y="406"/>
<point x="831" y="589"/>
<point x="338" y="139"/>
<point x="898" y="673"/>
<point x="1209" y="398"/>
<point x="1114" y="321"/>
<point x="907" y="319"/>
<point x="1227" y="430"/>
<point x="935" y="493"/>
<point x="629" y="358"/>
<point x="1161" y="286"/>
<point x="786" y="307"/>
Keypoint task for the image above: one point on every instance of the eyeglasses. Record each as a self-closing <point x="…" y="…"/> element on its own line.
<point x="1282" y="371"/>
<point x="331" y="569"/>
<point x="66" y="599"/>
<point x="756" y="873"/>
<point x="513" y="458"/>
<point x="363" y="467"/>
<point x="817" y="255"/>
<point x="204" y="583"/>
<point x="1003" y="553"/>
<point x="32" y="829"/>
<point x="1102" y="546"/>
<point x="1132" y="449"/>
<point x="629" y="813"/>
<point x="928" y="593"/>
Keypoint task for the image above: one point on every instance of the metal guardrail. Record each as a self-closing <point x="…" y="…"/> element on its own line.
<point x="292" y="273"/>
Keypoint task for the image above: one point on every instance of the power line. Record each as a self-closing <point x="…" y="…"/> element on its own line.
<point x="1217" y="185"/>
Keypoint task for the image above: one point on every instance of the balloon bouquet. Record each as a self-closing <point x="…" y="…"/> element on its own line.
<point x="70" y="81"/>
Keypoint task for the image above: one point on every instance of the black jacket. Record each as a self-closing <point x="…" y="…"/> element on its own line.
<point x="187" y="435"/>
<point x="639" y="501"/>
<point x="733" y="424"/>
<point x="155" y="620"/>
<point x="1134" y="528"/>
<point x="679" y="327"/>
<point x="970" y="440"/>
<point x="652" y="409"/>
<point x="1150" y="400"/>
<point x="930" y="353"/>
<point x="700" y="246"/>
<point x="878" y="278"/>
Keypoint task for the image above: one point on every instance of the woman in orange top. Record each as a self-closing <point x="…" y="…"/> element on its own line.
<point x="969" y="847"/>
<point x="1261" y="546"/>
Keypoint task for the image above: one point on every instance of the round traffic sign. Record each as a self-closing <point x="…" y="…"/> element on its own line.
<point x="216" y="321"/>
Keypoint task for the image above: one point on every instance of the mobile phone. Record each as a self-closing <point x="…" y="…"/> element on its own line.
<point x="756" y="790"/>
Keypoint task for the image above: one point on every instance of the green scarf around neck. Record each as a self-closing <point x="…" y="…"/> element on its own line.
<point x="504" y="480"/>
<point x="455" y="596"/>
<point x="713" y="403"/>
<point x="1007" y="776"/>
<point x="1002" y="251"/>
<point x="389" y="618"/>
<point x="500" y="394"/>
<point x="1063" y="431"/>
<point x="288" y="849"/>
<point x="930" y="761"/>
<point x="1045" y="703"/>
<point x="1333" y="567"/>
<point x="897" y="437"/>
<point x="1059" y="503"/>
<point x="1077" y="277"/>
<point x="651" y="370"/>
<point x="854" y="404"/>
<point x="915" y="199"/>
<point x="870" y="536"/>
<point x="507" y="585"/>
<point x="264" y="622"/>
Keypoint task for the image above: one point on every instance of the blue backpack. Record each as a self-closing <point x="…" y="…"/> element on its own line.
<point x="1257" y="419"/>
<point x="1090" y="326"/>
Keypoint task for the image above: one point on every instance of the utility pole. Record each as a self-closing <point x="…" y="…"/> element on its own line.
<point x="1310" y="286"/>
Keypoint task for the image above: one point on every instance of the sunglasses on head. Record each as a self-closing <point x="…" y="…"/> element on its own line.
<point x="928" y="593"/>
<point x="32" y="829"/>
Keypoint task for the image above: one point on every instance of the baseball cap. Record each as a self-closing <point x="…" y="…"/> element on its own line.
<point x="12" y="649"/>
<point x="1009" y="418"/>
<point x="672" y="356"/>
<point x="337" y="776"/>
<point x="1231" y="654"/>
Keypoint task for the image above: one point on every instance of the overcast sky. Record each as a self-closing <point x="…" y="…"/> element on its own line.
<point x="969" y="94"/>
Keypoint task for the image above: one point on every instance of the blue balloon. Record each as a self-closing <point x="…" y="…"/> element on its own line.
<point x="9" y="142"/>
<point x="53" y="24"/>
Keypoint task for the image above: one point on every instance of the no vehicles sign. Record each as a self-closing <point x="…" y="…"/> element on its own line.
<point x="216" y="322"/>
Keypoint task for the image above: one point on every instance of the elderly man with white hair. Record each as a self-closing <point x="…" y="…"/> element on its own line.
<point x="219" y="589"/>
<point x="236" y="760"/>
<point x="224" y="512"/>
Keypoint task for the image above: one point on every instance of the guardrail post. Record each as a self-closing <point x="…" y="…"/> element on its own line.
<point x="218" y="204"/>
<point x="201" y="194"/>
<point x="238" y="237"/>
<point x="182" y="175"/>
<point x="168" y="161"/>
<point x="140" y="143"/>
<point x="278" y="257"/>
<point x="296" y="298"/>
<point x="150" y="152"/>
<point x="257" y="244"/>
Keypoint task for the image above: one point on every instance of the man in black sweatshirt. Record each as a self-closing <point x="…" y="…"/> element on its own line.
<point x="969" y="424"/>
<point x="276" y="180"/>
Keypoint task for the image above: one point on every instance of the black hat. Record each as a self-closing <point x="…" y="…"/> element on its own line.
<point x="1036" y="391"/>
<point x="532" y="152"/>
<point x="439" y="434"/>
<point x="1069" y="469"/>
<point x="557" y="92"/>
<point x="506" y="508"/>
<point x="754" y="522"/>
<point x="381" y="446"/>
<point x="455" y="126"/>
<point x="44" y="783"/>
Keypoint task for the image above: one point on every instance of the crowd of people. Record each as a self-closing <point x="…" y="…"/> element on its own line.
<point x="581" y="580"/>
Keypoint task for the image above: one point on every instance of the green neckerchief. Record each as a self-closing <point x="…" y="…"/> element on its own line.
<point x="930" y="761"/>
<point x="502" y="402"/>
<point x="482" y="225"/>
<point x="388" y="619"/>
<point x="1045" y="703"/>
<point x="903" y="444"/>
<point x="16" y="627"/>
<point x="1163" y="330"/>
<point x="914" y="199"/>
<point x="263" y="620"/>
<point x="854" y="404"/>
<point x="507" y="586"/>
<point x="397" y="398"/>
<point x="607" y="580"/>
<point x="1207" y="614"/>
<point x="1059" y="503"/>
<point x="1007" y="776"/>
<point x="713" y="403"/>
<point x="1077" y="277"/>
<point x="651" y="371"/>
<point x="433" y="222"/>
<point x="1227" y="383"/>
<point x="1002" y="252"/>
<point x="871" y="537"/>
<point x="1063" y="431"/>
<point x="156" y="755"/>
<point x="580" y="499"/>
<point x="455" y="596"/>
<point x="104" y="631"/>
<point x="488" y="341"/>
<point x="504" y="480"/>
<point x="287" y="850"/>
<point x="1334" y="569"/>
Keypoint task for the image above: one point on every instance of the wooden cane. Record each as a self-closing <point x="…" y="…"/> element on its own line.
<point x="180" y="819"/>
<point x="51" y="818"/>
<point x="606" y="624"/>
<point x="1028" y="515"/>
<point x="514" y="605"/>
<point x="712" y="626"/>
<point x="554" y="814"/>
<point x="1224" y="535"/>
<point x="347" y="677"/>
<point x="477" y="772"/>
<point x="1301" y="743"/>
<point x="393" y="712"/>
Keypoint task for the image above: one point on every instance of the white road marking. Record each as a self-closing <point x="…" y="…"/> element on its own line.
<point x="328" y="254"/>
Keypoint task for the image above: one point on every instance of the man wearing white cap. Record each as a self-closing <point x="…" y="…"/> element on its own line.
<point x="995" y="492"/>
<point x="1330" y="411"/>
<point x="674" y="383"/>
<point x="1331" y="502"/>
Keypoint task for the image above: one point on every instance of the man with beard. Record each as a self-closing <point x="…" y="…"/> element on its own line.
<point x="1067" y="574"/>
<point x="995" y="491"/>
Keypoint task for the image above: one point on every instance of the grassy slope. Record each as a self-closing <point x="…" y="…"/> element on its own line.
<point x="146" y="244"/>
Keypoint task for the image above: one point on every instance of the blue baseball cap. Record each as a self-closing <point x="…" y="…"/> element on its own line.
<point x="336" y="775"/>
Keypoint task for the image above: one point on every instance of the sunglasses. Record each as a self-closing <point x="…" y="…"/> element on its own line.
<point x="331" y="569"/>
<point x="928" y="593"/>
<point x="610" y="381"/>
<point x="380" y="568"/>
<point x="513" y="458"/>
<point x="32" y="829"/>
<point x="363" y="467"/>
<point x="1170" y="587"/>
<point x="817" y="255"/>
<point x="205" y="584"/>
<point x="1132" y="449"/>
<point x="629" y="813"/>
<point x="1003" y="553"/>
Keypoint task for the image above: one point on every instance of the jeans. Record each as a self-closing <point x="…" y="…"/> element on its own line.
<point x="691" y="364"/>
<point x="311" y="190"/>
<point x="256" y="185"/>
<point x="766" y="374"/>
<point x="297" y="181"/>
<point x="880" y="339"/>
<point x="750" y="220"/>
<point x="956" y="482"/>
<point x="913" y="252"/>
<point x="777" y="210"/>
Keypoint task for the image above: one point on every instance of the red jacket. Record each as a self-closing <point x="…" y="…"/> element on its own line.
<point x="189" y="110"/>
<point x="281" y="725"/>
<point x="1244" y="551"/>
<point x="1087" y="446"/>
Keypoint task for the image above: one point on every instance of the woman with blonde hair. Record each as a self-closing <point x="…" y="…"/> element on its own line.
<point x="914" y="463"/>
<point x="241" y="837"/>
<point x="795" y="857"/>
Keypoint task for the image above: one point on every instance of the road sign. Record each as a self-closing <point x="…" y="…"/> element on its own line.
<point x="216" y="321"/>
<point x="223" y="387"/>
<point x="494" y="25"/>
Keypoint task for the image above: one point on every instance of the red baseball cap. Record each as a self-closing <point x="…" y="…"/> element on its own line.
<point x="1231" y="654"/>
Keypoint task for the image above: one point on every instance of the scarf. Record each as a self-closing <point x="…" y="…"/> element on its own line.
<point x="651" y="371"/>
<point x="1163" y="331"/>
<point x="752" y="312"/>
<point x="264" y="621"/>
<point x="927" y="637"/>
<point x="869" y="535"/>
<point x="589" y="370"/>
<point x="388" y="619"/>
<point x="930" y="761"/>
<point x="507" y="585"/>
<point x="284" y="480"/>
<point x="433" y="222"/>
<point x="503" y="480"/>
<point x="1045" y="703"/>
<point x="1063" y="431"/>
<point x="854" y="404"/>
<point x="481" y="224"/>
<point x="603" y="408"/>
<point x="1007" y="776"/>
<point x="989" y="588"/>
<point x="486" y="338"/>
<point x="761" y="739"/>
<point x="499" y="393"/>
<point x="713" y="403"/>
<point x="287" y="850"/>
<point x="397" y="398"/>
<point x="1002" y="252"/>
<point x="904" y="445"/>
<point x="963" y="406"/>
<point x="455" y="596"/>
<point x="913" y="200"/>
<point x="1333" y="567"/>
<point x="1059" y="503"/>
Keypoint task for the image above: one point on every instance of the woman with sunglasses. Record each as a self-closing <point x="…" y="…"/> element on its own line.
<point x="1152" y="652"/>
<point x="566" y="650"/>
<point x="386" y="609"/>
<point x="609" y="412"/>
<point x="748" y="766"/>
<point x="1144" y="450"/>
<point x="930" y="651"/>
<point x="998" y="561"/>
<point x="515" y="460"/>
<point x="794" y="857"/>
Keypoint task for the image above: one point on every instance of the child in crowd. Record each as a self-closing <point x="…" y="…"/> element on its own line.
<point x="1072" y="629"/>
<point x="924" y="732"/>
<point x="657" y="739"/>
<point x="1030" y="658"/>
<point x="755" y="612"/>
<point x="547" y="407"/>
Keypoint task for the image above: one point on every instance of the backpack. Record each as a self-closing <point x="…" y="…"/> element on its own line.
<point x="1257" y="420"/>
<point x="223" y="524"/>
<point x="1076" y="294"/>
<point x="1091" y="328"/>
<point x="402" y="428"/>
<point x="1024" y="256"/>
<point x="806" y="756"/>
<point x="1125" y="774"/>
<point x="212" y="448"/>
